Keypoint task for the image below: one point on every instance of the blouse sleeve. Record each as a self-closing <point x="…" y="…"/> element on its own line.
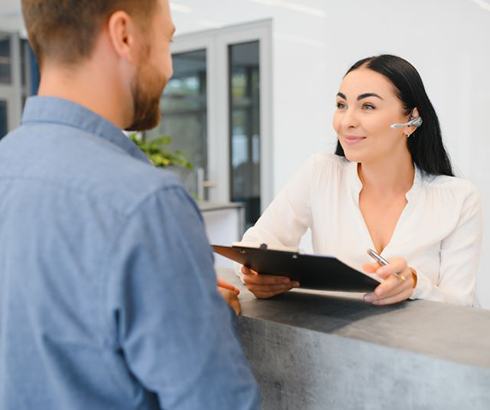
<point x="288" y="216"/>
<point x="459" y="254"/>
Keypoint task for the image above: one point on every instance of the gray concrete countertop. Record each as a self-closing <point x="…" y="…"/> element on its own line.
<point x="440" y="352"/>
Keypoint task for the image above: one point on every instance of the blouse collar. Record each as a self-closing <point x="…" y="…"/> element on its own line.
<point x="356" y="184"/>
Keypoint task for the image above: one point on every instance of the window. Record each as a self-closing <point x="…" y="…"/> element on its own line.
<point x="5" y="60"/>
<point x="244" y="90"/>
<point x="3" y="118"/>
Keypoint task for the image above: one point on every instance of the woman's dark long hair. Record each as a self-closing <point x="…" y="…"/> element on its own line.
<point x="425" y="144"/>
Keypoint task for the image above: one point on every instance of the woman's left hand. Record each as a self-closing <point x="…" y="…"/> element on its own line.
<point x="399" y="280"/>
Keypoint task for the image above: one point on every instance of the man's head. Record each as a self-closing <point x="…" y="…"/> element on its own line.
<point x="126" y="39"/>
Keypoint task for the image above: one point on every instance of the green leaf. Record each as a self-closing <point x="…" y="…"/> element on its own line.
<point x="159" y="154"/>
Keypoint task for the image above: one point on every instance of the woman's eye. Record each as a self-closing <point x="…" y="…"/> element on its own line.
<point x="368" y="107"/>
<point x="340" y="105"/>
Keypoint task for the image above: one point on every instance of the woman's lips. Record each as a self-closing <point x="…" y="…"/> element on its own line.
<point x="352" y="139"/>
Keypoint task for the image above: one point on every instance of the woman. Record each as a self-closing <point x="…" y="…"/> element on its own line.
<point x="389" y="187"/>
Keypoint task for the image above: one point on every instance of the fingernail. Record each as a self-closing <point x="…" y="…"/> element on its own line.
<point x="296" y="285"/>
<point x="369" y="297"/>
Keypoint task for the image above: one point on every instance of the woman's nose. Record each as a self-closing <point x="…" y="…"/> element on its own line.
<point x="349" y="119"/>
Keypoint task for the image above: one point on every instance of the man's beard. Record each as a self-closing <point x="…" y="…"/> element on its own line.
<point x="146" y="88"/>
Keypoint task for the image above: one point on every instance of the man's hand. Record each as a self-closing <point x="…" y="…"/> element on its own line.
<point x="230" y="295"/>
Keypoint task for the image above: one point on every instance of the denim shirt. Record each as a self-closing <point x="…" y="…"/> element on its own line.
<point x="108" y="294"/>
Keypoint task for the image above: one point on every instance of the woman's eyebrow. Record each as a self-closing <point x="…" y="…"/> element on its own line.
<point x="361" y="96"/>
<point x="366" y="95"/>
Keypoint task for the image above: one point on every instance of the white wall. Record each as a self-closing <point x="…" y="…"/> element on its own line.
<point x="10" y="16"/>
<point x="315" y="41"/>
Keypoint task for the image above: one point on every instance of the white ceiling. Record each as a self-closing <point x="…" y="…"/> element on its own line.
<point x="188" y="13"/>
<point x="193" y="15"/>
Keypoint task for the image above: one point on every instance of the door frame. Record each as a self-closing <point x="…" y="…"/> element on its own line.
<point x="216" y="42"/>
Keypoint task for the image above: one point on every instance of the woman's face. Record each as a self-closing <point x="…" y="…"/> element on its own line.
<point x="366" y="107"/>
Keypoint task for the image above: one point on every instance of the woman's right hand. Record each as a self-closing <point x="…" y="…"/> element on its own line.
<point x="266" y="286"/>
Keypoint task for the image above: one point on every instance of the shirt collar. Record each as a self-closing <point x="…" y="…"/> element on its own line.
<point x="356" y="184"/>
<point x="60" y="111"/>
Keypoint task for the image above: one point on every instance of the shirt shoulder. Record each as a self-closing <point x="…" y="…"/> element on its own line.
<point x="74" y="162"/>
<point x="132" y="181"/>
<point x="327" y="169"/>
<point x="460" y="193"/>
<point x="326" y="163"/>
<point x="451" y="186"/>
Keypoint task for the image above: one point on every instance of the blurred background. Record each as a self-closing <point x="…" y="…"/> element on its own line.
<point x="254" y="89"/>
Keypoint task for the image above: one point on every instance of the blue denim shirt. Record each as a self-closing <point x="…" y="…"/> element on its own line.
<point x="107" y="290"/>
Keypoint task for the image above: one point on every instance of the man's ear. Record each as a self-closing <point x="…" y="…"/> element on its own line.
<point x="122" y="33"/>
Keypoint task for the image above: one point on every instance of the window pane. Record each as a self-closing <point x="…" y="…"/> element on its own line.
<point x="184" y="112"/>
<point x="23" y="62"/>
<point x="3" y="118"/>
<point x="5" y="60"/>
<point x="244" y="89"/>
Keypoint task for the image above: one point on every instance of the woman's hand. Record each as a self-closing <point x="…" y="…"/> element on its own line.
<point x="399" y="280"/>
<point x="266" y="286"/>
<point x="230" y="295"/>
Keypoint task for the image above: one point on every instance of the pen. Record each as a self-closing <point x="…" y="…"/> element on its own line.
<point x="382" y="261"/>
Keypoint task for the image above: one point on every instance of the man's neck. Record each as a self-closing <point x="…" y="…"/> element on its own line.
<point x="90" y="88"/>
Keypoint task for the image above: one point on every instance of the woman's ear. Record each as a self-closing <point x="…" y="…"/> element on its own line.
<point x="415" y="113"/>
<point x="411" y="128"/>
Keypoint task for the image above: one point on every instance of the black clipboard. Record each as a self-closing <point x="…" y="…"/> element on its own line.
<point x="311" y="271"/>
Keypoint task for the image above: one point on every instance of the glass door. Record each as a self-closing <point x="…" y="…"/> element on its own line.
<point x="217" y="109"/>
<point x="185" y="116"/>
<point x="244" y="114"/>
<point x="246" y="52"/>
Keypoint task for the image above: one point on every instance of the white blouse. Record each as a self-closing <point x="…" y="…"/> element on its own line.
<point x="439" y="232"/>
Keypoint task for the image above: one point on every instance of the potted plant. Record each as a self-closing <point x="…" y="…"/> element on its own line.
<point x="158" y="153"/>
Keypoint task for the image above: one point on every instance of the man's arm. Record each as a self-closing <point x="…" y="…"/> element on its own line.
<point x="174" y="328"/>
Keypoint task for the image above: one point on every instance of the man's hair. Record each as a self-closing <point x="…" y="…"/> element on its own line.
<point x="66" y="30"/>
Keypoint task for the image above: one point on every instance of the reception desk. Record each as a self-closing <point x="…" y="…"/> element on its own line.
<point x="317" y="351"/>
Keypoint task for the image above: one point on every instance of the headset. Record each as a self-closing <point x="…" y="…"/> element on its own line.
<point x="415" y="122"/>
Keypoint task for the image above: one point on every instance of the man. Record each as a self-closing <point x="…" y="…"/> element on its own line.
<point x="107" y="291"/>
